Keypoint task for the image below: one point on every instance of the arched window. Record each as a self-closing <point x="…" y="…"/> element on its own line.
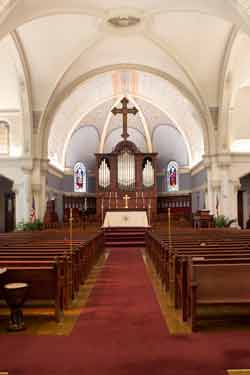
<point x="172" y="176"/>
<point x="4" y="138"/>
<point x="80" y="178"/>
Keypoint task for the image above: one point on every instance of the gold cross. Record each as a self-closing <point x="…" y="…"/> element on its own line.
<point x="126" y="198"/>
<point x="125" y="111"/>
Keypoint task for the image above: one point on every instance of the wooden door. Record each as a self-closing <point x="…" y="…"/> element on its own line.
<point x="240" y="209"/>
<point x="10" y="211"/>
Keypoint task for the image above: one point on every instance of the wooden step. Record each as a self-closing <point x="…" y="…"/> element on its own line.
<point x="125" y="244"/>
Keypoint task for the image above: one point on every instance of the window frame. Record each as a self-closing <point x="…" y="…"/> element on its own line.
<point x="4" y="124"/>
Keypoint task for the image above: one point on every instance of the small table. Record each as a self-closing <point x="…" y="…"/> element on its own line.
<point x="15" y="295"/>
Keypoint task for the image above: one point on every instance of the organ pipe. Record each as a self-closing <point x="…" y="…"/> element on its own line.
<point x="148" y="174"/>
<point x="104" y="174"/>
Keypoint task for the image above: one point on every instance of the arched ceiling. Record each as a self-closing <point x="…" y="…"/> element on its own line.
<point x="77" y="66"/>
<point x="9" y="92"/>
<point x="157" y="101"/>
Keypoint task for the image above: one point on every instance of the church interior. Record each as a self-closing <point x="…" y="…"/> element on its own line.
<point x="124" y="187"/>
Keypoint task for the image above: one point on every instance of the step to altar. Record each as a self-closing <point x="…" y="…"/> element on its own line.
<point x="125" y="237"/>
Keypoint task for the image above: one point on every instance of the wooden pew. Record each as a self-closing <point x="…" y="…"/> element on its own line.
<point x="36" y="255"/>
<point x="215" y="250"/>
<point x="183" y="283"/>
<point x="230" y="286"/>
<point x="45" y="280"/>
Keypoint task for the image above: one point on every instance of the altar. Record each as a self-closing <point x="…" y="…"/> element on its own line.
<point x="126" y="218"/>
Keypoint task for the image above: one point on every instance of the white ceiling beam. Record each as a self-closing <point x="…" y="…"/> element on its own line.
<point x="25" y="89"/>
<point x="225" y="92"/>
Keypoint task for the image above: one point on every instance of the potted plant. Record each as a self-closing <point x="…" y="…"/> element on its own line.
<point x="222" y="221"/>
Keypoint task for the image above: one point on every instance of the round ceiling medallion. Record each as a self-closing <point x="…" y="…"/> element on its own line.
<point x="124" y="21"/>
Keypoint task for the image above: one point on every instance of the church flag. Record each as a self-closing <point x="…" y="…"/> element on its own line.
<point x="33" y="211"/>
<point x="217" y="205"/>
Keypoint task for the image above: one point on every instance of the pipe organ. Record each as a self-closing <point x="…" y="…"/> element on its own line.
<point x="148" y="174"/>
<point x="104" y="174"/>
<point x="126" y="171"/>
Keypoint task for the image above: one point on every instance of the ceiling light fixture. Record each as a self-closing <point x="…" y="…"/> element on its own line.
<point x="124" y="21"/>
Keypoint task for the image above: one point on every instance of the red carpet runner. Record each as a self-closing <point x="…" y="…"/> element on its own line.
<point x="122" y="331"/>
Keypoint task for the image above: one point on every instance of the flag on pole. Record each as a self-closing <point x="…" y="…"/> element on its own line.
<point x="33" y="211"/>
<point x="217" y="205"/>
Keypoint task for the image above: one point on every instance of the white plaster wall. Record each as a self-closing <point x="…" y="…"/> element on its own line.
<point x="241" y="115"/>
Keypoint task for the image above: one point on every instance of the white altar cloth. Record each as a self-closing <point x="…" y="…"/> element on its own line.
<point x="126" y="219"/>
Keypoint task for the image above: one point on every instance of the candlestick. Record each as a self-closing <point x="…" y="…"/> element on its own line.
<point x="102" y="211"/>
<point x="143" y="202"/>
<point x="71" y="230"/>
<point x="110" y="195"/>
<point x="171" y="261"/>
<point x="116" y="202"/>
<point x="149" y="212"/>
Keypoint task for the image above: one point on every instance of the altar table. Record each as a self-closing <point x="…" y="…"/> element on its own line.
<point x="126" y="218"/>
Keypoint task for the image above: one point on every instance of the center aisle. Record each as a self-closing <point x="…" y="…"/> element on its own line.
<point x="121" y="331"/>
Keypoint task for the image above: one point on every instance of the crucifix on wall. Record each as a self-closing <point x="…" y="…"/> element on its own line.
<point x="125" y="111"/>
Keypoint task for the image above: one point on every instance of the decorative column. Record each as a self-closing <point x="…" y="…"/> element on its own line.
<point x="225" y="201"/>
<point x="17" y="189"/>
<point x="233" y="194"/>
<point x="27" y="194"/>
<point x="40" y="189"/>
<point x="215" y="197"/>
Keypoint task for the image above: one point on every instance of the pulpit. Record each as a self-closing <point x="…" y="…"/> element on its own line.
<point x="126" y="177"/>
<point x="50" y="219"/>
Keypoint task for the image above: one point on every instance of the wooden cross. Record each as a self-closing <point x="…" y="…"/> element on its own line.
<point x="125" y="111"/>
<point x="126" y="198"/>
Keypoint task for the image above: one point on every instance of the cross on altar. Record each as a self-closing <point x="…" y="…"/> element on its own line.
<point x="126" y="199"/>
<point x="125" y="111"/>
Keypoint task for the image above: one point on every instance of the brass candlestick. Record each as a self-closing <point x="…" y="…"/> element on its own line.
<point x="149" y="212"/>
<point x="143" y="202"/>
<point x="110" y="196"/>
<point x="171" y="261"/>
<point x="71" y="230"/>
<point x="116" y="201"/>
<point x="102" y="212"/>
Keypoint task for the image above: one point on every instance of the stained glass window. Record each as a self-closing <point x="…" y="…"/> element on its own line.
<point x="80" y="178"/>
<point x="4" y="138"/>
<point x="172" y="176"/>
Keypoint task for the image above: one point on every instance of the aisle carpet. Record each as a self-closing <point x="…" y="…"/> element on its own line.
<point x="122" y="331"/>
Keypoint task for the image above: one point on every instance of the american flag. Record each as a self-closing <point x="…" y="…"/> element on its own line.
<point x="33" y="211"/>
<point x="217" y="205"/>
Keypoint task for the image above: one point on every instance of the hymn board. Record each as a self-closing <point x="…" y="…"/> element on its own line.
<point x="126" y="177"/>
